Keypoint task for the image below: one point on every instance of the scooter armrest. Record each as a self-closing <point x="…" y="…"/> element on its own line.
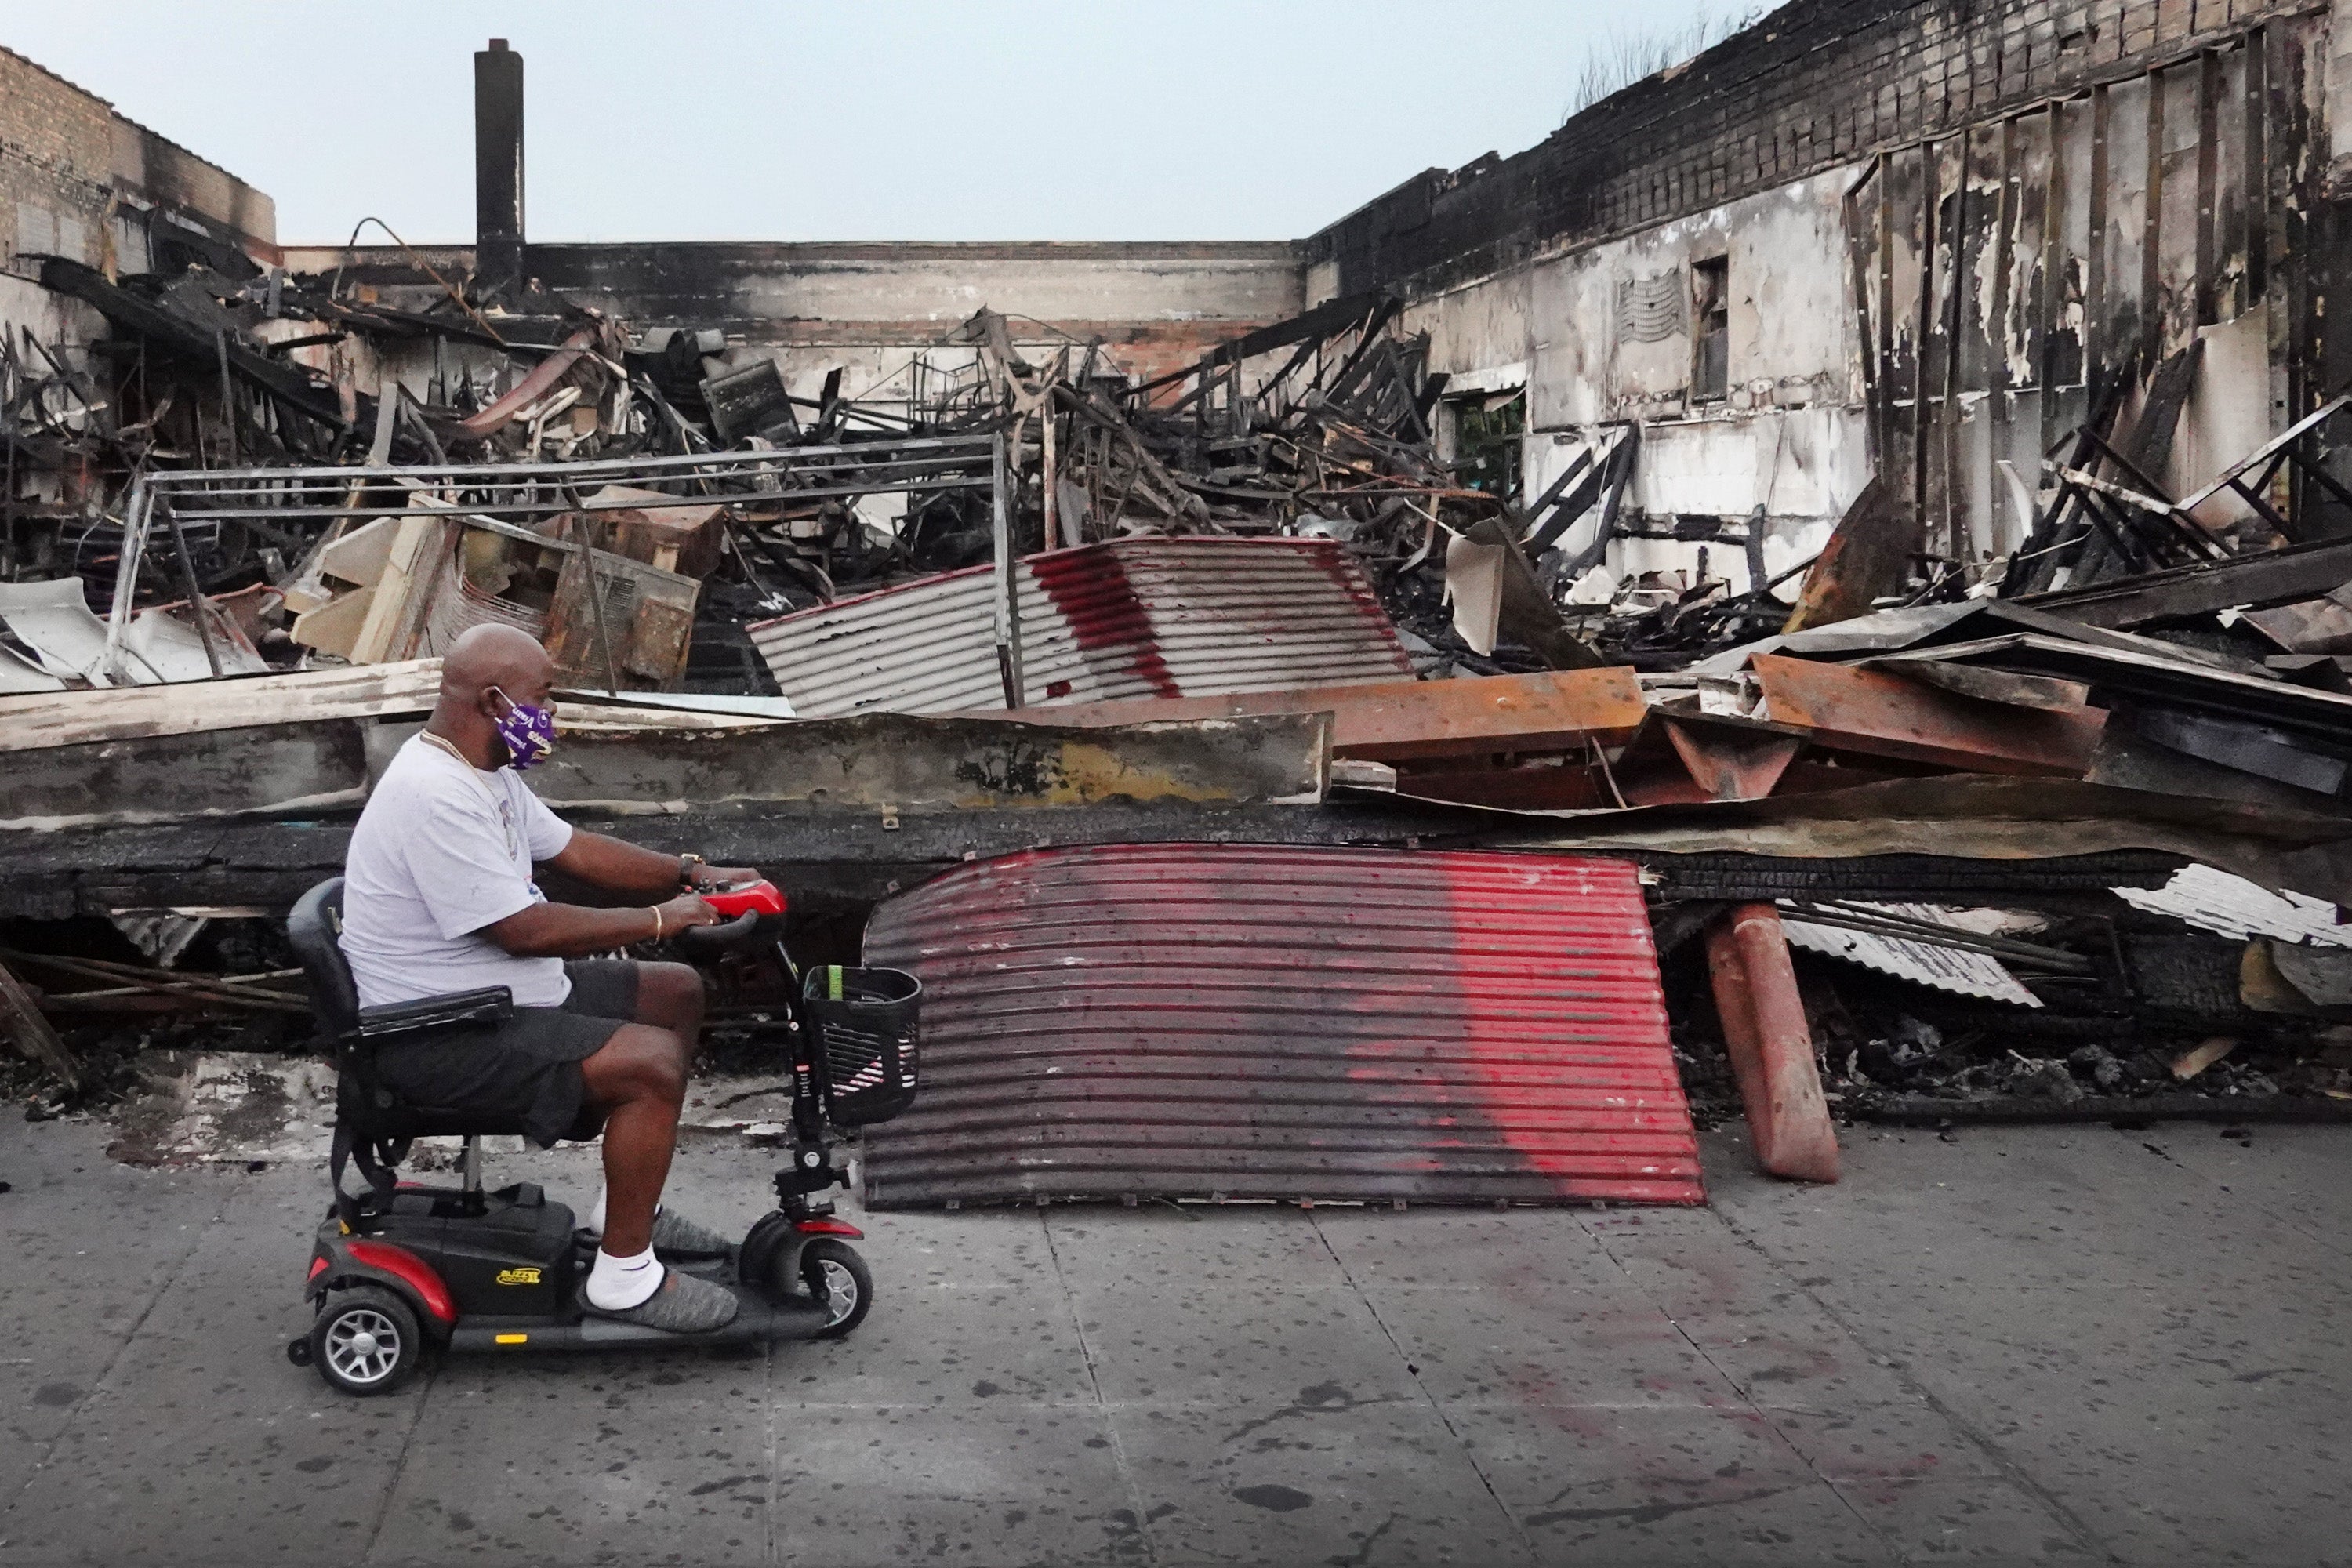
<point x="480" y="1009"/>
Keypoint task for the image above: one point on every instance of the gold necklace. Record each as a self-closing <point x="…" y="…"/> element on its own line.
<point x="447" y="745"/>
<point x="505" y="809"/>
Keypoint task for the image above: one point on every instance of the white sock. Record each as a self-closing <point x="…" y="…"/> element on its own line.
<point x="616" y="1284"/>
<point x="595" y="1221"/>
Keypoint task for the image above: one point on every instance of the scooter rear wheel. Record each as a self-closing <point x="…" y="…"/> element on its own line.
<point x="366" y="1341"/>
<point x="838" y="1279"/>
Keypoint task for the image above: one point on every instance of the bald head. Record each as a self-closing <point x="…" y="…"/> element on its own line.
<point x="483" y="666"/>
<point x="496" y="655"/>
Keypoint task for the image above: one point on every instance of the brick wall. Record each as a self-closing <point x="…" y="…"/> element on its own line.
<point x="1816" y="83"/>
<point x="65" y="152"/>
<point x="57" y="156"/>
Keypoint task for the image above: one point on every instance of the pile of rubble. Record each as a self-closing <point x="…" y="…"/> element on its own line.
<point x="2060" y="835"/>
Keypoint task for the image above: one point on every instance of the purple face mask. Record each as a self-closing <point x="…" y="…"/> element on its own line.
<point x="529" y="733"/>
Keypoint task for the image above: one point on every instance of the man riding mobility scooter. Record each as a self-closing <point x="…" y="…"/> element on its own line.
<point x="401" y="1263"/>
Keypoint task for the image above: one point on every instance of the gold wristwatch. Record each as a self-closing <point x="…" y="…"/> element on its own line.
<point x="689" y="867"/>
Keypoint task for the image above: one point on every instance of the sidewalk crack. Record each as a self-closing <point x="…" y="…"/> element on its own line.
<point x="1141" y="1521"/>
<point x="1518" y="1529"/>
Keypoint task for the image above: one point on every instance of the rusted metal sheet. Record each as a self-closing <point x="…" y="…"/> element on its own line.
<point x="1135" y="618"/>
<point x="1865" y="557"/>
<point x="1545" y="784"/>
<point x="1728" y="761"/>
<point x="1883" y="715"/>
<point x="1682" y="757"/>
<point x="1399" y="721"/>
<point x="1223" y="1020"/>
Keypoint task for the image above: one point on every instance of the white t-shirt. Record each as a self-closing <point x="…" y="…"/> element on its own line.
<point x="442" y="850"/>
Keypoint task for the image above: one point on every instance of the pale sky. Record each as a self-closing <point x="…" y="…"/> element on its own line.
<point x="1036" y="120"/>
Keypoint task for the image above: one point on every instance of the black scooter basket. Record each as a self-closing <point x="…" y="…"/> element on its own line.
<point x="865" y="1024"/>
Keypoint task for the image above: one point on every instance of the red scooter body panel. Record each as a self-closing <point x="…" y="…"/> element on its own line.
<point x="755" y="898"/>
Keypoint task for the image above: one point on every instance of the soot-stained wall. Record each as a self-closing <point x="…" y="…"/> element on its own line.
<point x="1934" y="223"/>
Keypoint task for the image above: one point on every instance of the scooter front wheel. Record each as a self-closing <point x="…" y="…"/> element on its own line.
<point x="839" y="1281"/>
<point x="366" y="1341"/>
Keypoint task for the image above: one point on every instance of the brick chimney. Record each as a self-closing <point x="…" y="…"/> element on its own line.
<point x="498" y="167"/>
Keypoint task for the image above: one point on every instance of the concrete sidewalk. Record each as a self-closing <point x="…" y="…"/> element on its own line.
<point x="2028" y="1344"/>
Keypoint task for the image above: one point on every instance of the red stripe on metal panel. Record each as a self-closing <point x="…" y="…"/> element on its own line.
<point x="1129" y="618"/>
<point x="1191" y="1020"/>
<point x="1091" y="590"/>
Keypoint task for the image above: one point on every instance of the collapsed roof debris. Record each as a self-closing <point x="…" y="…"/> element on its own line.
<point x="1974" y="696"/>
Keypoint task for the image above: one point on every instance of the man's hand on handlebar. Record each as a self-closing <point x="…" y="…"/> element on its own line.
<point x="688" y="910"/>
<point x="717" y="878"/>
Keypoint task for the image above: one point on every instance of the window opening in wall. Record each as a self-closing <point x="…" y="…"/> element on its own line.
<point x="1487" y="436"/>
<point x="1711" y="339"/>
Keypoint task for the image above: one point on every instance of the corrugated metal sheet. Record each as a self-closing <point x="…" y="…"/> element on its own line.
<point x="2233" y="907"/>
<point x="1135" y="618"/>
<point x="1202" y="1020"/>
<point x="1952" y="969"/>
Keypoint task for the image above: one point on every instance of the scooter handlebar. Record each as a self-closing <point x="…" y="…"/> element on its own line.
<point x="759" y="898"/>
<point x="717" y="937"/>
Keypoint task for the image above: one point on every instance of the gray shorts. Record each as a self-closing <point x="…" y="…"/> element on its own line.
<point x="527" y="1070"/>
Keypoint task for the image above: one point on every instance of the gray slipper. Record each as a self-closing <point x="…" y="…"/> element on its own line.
<point x="675" y="1236"/>
<point x="682" y="1304"/>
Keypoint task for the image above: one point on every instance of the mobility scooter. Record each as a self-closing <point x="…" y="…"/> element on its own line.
<point x="400" y="1267"/>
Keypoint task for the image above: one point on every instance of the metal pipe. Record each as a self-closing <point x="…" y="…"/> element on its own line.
<point x="1771" y="1046"/>
<point x="759" y="487"/>
<point x="1008" y="580"/>
<point x="1926" y="931"/>
<point x="135" y="512"/>
<point x="296" y="511"/>
<point x="596" y="603"/>
<point x="196" y="605"/>
<point x="974" y="447"/>
<point x="532" y="387"/>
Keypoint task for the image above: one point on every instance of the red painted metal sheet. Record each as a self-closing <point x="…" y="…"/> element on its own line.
<point x="1199" y="1020"/>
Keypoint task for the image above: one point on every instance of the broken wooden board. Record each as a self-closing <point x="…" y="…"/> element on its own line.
<point x="1399" y="721"/>
<point x="402" y="594"/>
<point x="73" y="717"/>
<point x="335" y="626"/>
<point x="21" y="1021"/>
<point x="684" y="536"/>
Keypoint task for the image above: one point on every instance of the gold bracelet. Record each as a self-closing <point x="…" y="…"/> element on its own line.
<point x="657" y="922"/>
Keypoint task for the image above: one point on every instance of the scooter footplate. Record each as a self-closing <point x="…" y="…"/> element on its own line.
<point x="758" y="1319"/>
